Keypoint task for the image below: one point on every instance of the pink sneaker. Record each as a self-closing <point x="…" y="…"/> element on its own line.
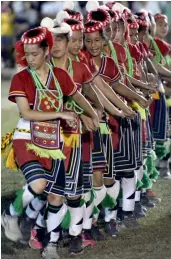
<point x="34" y="242"/>
<point x="88" y="239"/>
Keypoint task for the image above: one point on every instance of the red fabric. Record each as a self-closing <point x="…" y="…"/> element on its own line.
<point x="109" y="71"/>
<point x="67" y="152"/>
<point x="89" y="59"/>
<point x="22" y="85"/>
<point x="163" y="46"/>
<point x="135" y="53"/>
<point x="149" y="53"/>
<point x="152" y="111"/>
<point x="22" y="155"/>
<point x="19" y="54"/>
<point x="142" y="50"/>
<point x="81" y="73"/>
<point x="144" y="131"/>
<point x="86" y="143"/>
<point x="82" y="58"/>
<point x="114" y="126"/>
<point x="120" y="51"/>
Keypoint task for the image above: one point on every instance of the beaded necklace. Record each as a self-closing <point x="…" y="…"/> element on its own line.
<point x="41" y="88"/>
<point x="115" y="58"/>
<point x="158" y="55"/>
<point x="130" y="62"/>
<point x="70" y="104"/>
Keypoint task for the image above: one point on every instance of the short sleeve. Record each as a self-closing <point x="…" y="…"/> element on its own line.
<point x="163" y="47"/>
<point x="121" y="52"/>
<point x="87" y="75"/>
<point x="109" y="70"/>
<point x="91" y="64"/>
<point x="17" y="88"/>
<point x="67" y="84"/>
<point x="135" y="53"/>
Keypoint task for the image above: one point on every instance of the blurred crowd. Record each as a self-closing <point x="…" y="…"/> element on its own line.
<point x="18" y="16"/>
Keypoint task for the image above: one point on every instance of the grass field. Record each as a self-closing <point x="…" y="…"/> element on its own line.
<point x="151" y="241"/>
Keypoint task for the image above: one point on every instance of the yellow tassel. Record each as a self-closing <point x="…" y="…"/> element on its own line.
<point x="156" y="96"/>
<point x="168" y="102"/>
<point x="6" y="141"/>
<point x="10" y="161"/>
<point x="138" y="108"/>
<point x="71" y="140"/>
<point x="46" y="153"/>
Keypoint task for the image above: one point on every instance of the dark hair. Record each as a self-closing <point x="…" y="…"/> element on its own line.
<point x="71" y="12"/>
<point x="121" y="20"/>
<point x="43" y="44"/>
<point x="72" y="22"/>
<point x="34" y="33"/>
<point x="102" y="33"/>
<point x="138" y="15"/>
<point x="98" y="16"/>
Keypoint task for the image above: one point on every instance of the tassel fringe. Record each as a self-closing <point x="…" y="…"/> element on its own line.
<point x="18" y="203"/>
<point x="42" y="152"/>
<point x="108" y="202"/>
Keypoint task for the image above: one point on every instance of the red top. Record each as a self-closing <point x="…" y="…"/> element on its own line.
<point x="23" y="85"/>
<point x="135" y="53"/>
<point x="163" y="46"/>
<point x="91" y="63"/>
<point x="108" y="70"/>
<point x="149" y="53"/>
<point x="82" y="58"/>
<point x="142" y="49"/>
<point x="120" y="52"/>
<point x="81" y="73"/>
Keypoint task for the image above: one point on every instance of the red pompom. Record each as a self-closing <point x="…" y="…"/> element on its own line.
<point x="19" y="53"/>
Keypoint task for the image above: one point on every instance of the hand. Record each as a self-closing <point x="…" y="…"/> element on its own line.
<point x="99" y="111"/>
<point x="95" y="121"/>
<point x="70" y="117"/>
<point x="121" y="114"/>
<point x="88" y="122"/>
<point x="143" y="102"/>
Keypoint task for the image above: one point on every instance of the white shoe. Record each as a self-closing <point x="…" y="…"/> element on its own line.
<point x="11" y="227"/>
<point x="50" y="252"/>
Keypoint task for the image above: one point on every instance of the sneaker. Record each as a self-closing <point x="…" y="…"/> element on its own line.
<point x="76" y="245"/>
<point x="130" y="221"/>
<point x="11" y="227"/>
<point x="139" y="210"/>
<point x="50" y="251"/>
<point x="26" y="225"/>
<point x="111" y="228"/>
<point x="152" y="196"/>
<point x="34" y="240"/>
<point x="146" y="202"/>
<point x="96" y="233"/>
<point x="88" y="239"/>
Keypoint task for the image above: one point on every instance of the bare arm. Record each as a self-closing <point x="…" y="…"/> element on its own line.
<point x="130" y="85"/>
<point x="139" y="83"/>
<point x="151" y="68"/>
<point x="162" y="70"/>
<point x="128" y="93"/>
<point x="84" y="104"/>
<point x="109" y="93"/>
<point x="142" y="72"/>
<point x="89" y="91"/>
<point x="32" y="115"/>
<point x="107" y="104"/>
